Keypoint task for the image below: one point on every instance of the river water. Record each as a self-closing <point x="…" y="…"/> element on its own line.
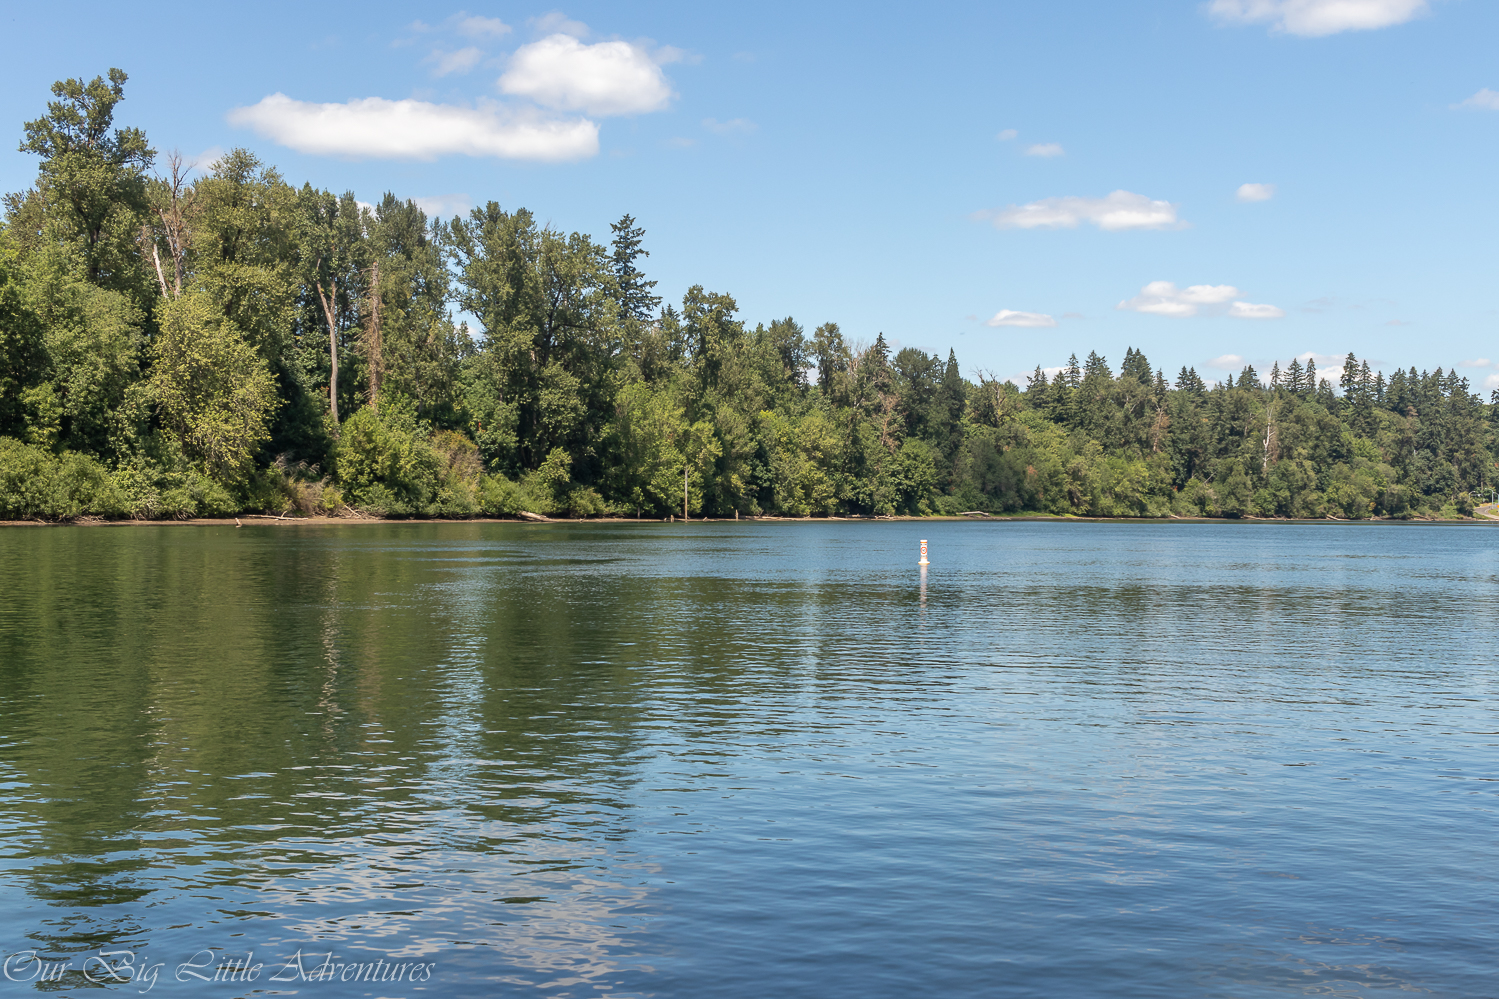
<point x="751" y="760"/>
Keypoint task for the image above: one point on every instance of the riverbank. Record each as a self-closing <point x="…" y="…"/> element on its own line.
<point x="1487" y="514"/>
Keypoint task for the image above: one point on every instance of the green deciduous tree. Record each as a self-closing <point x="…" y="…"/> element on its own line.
<point x="213" y="389"/>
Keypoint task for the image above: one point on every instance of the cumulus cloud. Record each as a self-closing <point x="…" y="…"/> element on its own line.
<point x="410" y="129"/>
<point x="1011" y="317"/>
<point x="1248" y="310"/>
<point x="1162" y="298"/>
<point x="606" y="78"/>
<point x="204" y="161"/>
<point x="1323" y="361"/>
<point x="1317" y="18"/>
<point x="1481" y="362"/>
<point x="476" y="26"/>
<point x="442" y="205"/>
<point x="1044" y="149"/>
<point x="1255" y="192"/>
<point x="559" y="23"/>
<point x="460" y="61"/>
<point x="1021" y="378"/>
<point x="1007" y="135"/>
<point x="1227" y="362"/>
<point x="1484" y="100"/>
<point x="1115" y="213"/>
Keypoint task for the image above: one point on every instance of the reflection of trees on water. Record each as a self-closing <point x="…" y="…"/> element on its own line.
<point x="312" y="718"/>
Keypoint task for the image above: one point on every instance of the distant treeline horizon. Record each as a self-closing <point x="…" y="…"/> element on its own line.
<point x="176" y="345"/>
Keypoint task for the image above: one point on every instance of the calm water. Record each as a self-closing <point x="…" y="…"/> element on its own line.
<point x="753" y="760"/>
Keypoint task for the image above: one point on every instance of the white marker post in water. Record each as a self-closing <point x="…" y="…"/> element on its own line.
<point x="923" y="553"/>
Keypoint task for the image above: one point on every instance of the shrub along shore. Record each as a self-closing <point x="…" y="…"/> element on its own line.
<point x="178" y="344"/>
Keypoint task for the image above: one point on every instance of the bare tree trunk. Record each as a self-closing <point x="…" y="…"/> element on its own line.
<point x="327" y="301"/>
<point x="176" y="229"/>
<point x="684" y="492"/>
<point x="1272" y="442"/>
<point x="156" y="256"/>
<point x="372" y="343"/>
<point x="174" y="222"/>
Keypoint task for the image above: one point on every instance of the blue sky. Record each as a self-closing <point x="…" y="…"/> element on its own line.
<point x="1014" y="180"/>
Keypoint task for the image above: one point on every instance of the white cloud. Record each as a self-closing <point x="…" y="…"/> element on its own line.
<point x="205" y="160"/>
<point x="734" y="126"/>
<point x="1484" y="100"/>
<point x="1248" y="310"/>
<point x="1010" y="317"/>
<point x="558" y="23"/>
<point x="1044" y="149"/>
<point x="377" y="128"/>
<point x="460" y="61"/>
<point x="1021" y="378"/>
<point x="1327" y="364"/>
<point x="1228" y="362"/>
<point x="1491" y="382"/>
<point x="1481" y="362"/>
<point x="607" y="78"/>
<point x="1119" y="211"/>
<point x="443" y="205"/>
<point x="476" y="26"/>
<point x="1162" y="298"/>
<point x="1317" y="18"/>
<point x="1007" y="135"/>
<point x="1256" y="192"/>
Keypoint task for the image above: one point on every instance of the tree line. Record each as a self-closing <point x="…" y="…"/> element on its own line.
<point x="178" y="344"/>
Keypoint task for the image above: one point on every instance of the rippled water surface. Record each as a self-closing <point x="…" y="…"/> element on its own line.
<point x="753" y="760"/>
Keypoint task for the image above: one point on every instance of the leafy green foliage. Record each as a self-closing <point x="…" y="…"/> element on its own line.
<point x="386" y="465"/>
<point x="214" y="391"/>
<point x="192" y="344"/>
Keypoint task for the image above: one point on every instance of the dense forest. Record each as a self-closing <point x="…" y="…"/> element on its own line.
<point x="177" y="343"/>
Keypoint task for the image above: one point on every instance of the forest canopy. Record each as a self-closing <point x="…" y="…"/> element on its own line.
<point x="177" y="343"/>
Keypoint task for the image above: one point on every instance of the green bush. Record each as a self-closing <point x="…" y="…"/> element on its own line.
<point x="499" y="497"/>
<point x="80" y="486"/>
<point x="458" y="488"/>
<point x="583" y="501"/>
<point x="1196" y="499"/>
<point x="25" y="480"/>
<point x="38" y="485"/>
<point x="1353" y="493"/>
<point x="386" y="467"/>
<point x="285" y="488"/>
<point x="152" y="491"/>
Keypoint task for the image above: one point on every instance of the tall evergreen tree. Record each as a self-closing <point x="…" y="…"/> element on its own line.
<point x="1135" y="366"/>
<point x="634" y="291"/>
<point x="1348" y="381"/>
